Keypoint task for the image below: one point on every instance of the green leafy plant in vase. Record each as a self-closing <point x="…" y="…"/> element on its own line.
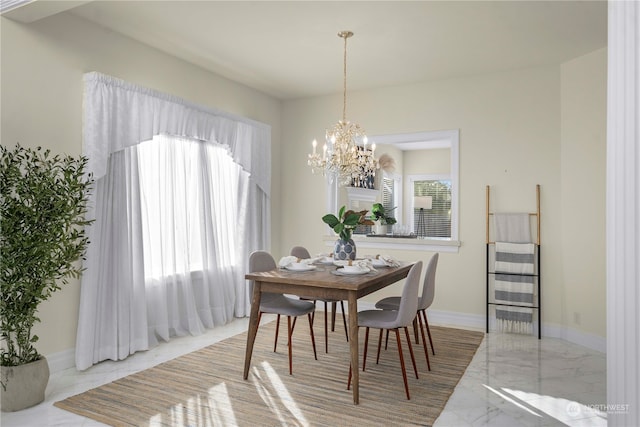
<point x="381" y="218"/>
<point x="343" y="225"/>
<point x="43" y="202"/>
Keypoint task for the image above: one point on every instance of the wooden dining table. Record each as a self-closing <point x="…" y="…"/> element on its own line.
<point x="322" y="283"/>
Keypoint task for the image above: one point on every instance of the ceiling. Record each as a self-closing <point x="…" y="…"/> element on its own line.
<point x="290" y="49"/>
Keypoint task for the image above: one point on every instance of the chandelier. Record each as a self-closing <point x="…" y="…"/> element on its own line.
<point x="345" y="154"/>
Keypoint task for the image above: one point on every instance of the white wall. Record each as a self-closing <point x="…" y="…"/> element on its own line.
<point x="511" y="137"/>
<point x="517" y="129"/>
<point x="41" y="101"/>
<point x="582" y="157"/>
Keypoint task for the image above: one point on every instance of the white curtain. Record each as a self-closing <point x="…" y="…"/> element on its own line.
<point x="120" y="313"/>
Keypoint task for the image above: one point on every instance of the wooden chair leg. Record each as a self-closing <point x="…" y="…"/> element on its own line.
<point x="366" y="343"/>
<point x="289" y="330"/>
<point x="349" y="380"/>
<point x="424" y="342"/>
<point x="404" y="372"/>
<point x="386" y="341"/>
<point x="313" y="339"/>
<point x="415" y="329"/>
<point x="379" y="345"/>
<point x="413" y="358"/>
<point x="275" y="341"/>
<point x="344" y="320"/>
<point x="433" y="350"/>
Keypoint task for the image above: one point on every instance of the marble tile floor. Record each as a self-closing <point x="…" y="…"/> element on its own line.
<point x="512" y="381"/>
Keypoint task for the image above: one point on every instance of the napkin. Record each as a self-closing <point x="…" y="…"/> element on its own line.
<point x="387" y="259"/>
<point x="362" y="264"/>
<point x="290" y="259"/>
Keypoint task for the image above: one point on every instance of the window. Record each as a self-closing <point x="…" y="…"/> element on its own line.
<point x="429" y="156"/>
<point x="433" y="223"/>
<point x="189" y="199"/>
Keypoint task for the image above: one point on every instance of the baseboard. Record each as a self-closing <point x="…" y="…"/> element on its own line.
<point x="478" y="322"/>
<point x="62" y="360"/>
<point x="66" y="359"/>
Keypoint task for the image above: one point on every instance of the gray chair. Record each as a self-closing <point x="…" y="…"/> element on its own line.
<point x="280" y="304"/>
<point x="394" y="320"/>
<point x="428" y="293"/>
<point x="302" y="253"/>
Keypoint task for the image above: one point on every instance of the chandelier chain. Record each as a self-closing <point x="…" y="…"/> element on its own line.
<point x="344" y="91"/>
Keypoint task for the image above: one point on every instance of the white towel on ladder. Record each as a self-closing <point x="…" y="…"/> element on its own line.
<point x="512" y="227"/>
<point x="514" y="284"/>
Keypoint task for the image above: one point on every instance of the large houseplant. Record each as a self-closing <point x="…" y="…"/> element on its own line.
<point x="343" y="225"/>
<point x="43" y="202"/>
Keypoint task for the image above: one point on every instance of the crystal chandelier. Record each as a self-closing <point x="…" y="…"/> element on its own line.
<point x="345" y="154"/>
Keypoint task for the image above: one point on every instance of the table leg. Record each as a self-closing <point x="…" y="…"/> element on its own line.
<point x="253" y="327"/>
<point x="353" y="347"/>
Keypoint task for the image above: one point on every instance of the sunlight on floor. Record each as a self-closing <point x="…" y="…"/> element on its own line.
<point x="563" y="410"/>
<point x="276" y="396"/>
<point x="201" y="411"/>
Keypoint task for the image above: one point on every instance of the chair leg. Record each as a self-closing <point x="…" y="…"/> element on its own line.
<point x="386" y="341"/>
<point x="413" y="358"/>
<point x="379" y="345"/>
<point x="289" y="330"/>
<point x="275" y="341"/>
<point x="415" y="329"/>
<point x="313" y="339"/>
<point x="326" y="332"/>
<point x="404" y="372"/>
<point x="344" y="320"/>
<point x="293" y="326"/>
<point x="433" y="350"/>
<point x="424" y="342"/>
<point x="349" y="380"/>
<point x="366" y="343"/>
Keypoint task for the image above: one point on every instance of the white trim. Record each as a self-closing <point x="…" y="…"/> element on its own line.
<point x="478" y="322"/>
<point x="61" y="360"/>
<point x="428" y="245"/>
<point x="623" y="211"/>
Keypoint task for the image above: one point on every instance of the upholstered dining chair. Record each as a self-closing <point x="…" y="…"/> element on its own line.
<point x="428" y="293"/>
<point x="302" y="253"/>
<point x="280" y="304"/>
<point x="394" y="320"/>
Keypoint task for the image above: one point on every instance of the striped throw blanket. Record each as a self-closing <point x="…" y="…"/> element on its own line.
<point x="514" y="284"/>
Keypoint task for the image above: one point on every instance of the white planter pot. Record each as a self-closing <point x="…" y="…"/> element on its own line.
<point x="380" y="229"/>
<point x="25" y="385"/>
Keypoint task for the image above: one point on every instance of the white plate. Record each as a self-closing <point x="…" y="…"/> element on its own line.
<point x="300" y="267"/>
<point x="342" y="272"/>
<point x="378" y="263"/>
<point x="343" y="262"/>
<point x="326" y="260"/>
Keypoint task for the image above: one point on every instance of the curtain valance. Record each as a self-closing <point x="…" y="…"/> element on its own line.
<point x="119" y="114"/>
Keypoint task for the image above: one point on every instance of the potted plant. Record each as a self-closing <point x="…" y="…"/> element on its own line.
<point x="343" y="225"/>
<point x="381" y="218"/>
<point x="43" y="202"/>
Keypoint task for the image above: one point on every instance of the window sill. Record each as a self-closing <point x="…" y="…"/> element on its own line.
<point x="399" y="243"/>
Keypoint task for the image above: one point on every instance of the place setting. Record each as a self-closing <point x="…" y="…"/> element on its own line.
<point x="365" y="265"/>
<point x="292" y="263"/>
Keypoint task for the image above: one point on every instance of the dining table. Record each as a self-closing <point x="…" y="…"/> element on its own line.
<point x="325" y="281"/>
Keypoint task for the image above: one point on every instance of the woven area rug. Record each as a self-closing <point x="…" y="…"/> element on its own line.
<point x="205" y="387"/>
